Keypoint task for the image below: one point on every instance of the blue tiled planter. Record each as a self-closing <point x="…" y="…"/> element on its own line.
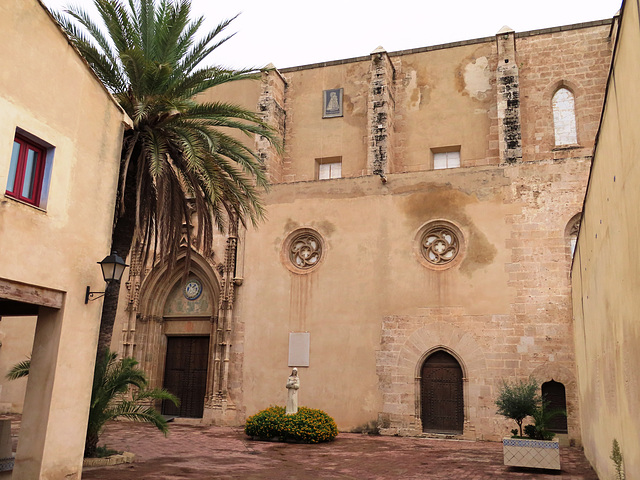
<point x="524" y="452"/>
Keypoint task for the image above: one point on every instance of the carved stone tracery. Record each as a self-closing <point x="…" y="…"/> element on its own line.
<point x="439" y="245"/>
<point x="305" y="250"/>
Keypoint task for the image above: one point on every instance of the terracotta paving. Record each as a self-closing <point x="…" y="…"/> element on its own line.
<point x="198" y="452"/>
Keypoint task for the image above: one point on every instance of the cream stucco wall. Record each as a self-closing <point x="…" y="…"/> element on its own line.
<point x="47" y="90"/>
<point x="606" y="274"/>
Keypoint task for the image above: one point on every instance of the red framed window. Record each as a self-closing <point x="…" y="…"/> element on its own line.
<point x="26" y="170"/>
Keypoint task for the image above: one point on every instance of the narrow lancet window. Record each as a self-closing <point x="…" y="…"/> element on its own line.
<point x="564" y="117"/>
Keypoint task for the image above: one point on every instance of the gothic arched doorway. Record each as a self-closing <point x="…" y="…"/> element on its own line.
<point x="186" y="326"/>
<point x="441" y="394"/>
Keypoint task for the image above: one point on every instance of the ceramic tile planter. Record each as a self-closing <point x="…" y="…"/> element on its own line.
<point x="524" y="452"/>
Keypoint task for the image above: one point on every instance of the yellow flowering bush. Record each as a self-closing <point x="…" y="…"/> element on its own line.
<point x="267" y="423"/>
<point x="309" y="425"/>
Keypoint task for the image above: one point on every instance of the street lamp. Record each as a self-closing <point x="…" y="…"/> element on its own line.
<point x="112" y="269"/>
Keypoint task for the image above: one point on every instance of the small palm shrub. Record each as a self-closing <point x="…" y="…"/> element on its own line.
<point x="542" y="417"/>
<point x="309" y="425"/>
<point x="120" y="390"/>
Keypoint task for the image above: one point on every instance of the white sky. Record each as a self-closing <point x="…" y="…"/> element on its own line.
<point x="298" y="32"/>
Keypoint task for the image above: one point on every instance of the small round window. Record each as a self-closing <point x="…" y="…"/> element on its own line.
<point x="440" y="245"/>
<point x="303" y="250"/>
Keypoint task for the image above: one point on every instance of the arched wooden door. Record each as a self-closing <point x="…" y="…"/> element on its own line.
<point x="441" y="394"/>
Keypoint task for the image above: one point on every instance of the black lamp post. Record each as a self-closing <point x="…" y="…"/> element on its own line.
<point x="112" y="269"/>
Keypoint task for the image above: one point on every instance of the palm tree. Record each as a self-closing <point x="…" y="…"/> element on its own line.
<point x="180" y="156"/>
<point x="112" y="380"/>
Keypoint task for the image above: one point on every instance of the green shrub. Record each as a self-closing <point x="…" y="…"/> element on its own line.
<point x="310" y="426"/>
<point x="518" y="400"/>
<point x="268" y="423"/>
<point x="307" y="426"/>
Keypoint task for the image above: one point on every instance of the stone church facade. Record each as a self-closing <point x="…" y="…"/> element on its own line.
<point x="418" y="245"/>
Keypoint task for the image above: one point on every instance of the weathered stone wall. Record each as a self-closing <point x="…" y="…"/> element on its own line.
<point x="526" y="331"/>
<point x="575" y="59"/>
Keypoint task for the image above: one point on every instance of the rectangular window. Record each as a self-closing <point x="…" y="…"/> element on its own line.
<point x="27" y="170"/>
<point x="446" y="159"/>
<point x="330" y="167"/>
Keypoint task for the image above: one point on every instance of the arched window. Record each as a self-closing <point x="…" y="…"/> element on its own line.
<point x="572" y="232"/>
<point x="564" y="117"/>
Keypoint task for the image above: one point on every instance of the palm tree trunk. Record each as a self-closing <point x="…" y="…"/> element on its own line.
<point x="121" y="241"/>
<point x="90" y="445"/>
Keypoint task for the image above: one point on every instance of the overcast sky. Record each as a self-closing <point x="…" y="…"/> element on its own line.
<point x="298" y="32"/>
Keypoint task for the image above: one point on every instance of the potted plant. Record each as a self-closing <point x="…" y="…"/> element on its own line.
<point x="517" y="401"/>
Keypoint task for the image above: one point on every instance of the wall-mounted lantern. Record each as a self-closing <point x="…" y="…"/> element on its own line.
<point x="112" y="269"/>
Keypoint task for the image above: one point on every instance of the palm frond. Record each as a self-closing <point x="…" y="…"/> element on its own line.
<point x="19" y="370"/>
<point x="180" y="154"/>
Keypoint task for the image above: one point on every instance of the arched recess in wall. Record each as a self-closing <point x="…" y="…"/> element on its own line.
<point x="555" y="396"/>
<point x="571" y="232"/>
<point x="175" y="333"/>
<point x="557" y="379"/>
<point x="441" y="393"/>
<point x="563" y="107"/>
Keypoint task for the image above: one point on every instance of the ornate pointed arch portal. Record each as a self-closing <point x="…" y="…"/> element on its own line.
<point x="181" y="343"/>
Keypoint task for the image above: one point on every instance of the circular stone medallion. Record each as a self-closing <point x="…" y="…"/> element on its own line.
<point x="192" y="290"/>
<point x="303" y="251"/>
<point x="440" y="244"/>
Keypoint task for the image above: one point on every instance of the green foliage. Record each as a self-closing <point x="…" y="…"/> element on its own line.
<point x="307" y="426"/>
<point x="616" y="456"/>
<point x="518" y="400"/>
<point x="267" y="423"/>
<point x="104" y="451"/>
<point x="112" y="381"/>
<point x="180" y="152"/>
<point x="310" y="425"/>
<point x="19" y="370"/>
<point x="542" y="417"/>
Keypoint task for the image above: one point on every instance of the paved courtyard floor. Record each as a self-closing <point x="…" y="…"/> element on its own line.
<point x="199" y="452"/>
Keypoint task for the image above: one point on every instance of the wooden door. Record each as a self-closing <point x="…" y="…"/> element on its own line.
<point x="441" y="394"/>
<point x="185" y="375"/>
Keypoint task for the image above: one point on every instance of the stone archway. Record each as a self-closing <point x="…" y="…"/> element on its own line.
<point x="186" y="326"/>
<point x="177" y="333"/>
<point x="400" y="363"/>
<point x="550" y="372"/>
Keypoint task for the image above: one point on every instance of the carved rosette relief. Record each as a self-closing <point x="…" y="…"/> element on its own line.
<point x="303" y="251"/>
<point x="440" y="245"/>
